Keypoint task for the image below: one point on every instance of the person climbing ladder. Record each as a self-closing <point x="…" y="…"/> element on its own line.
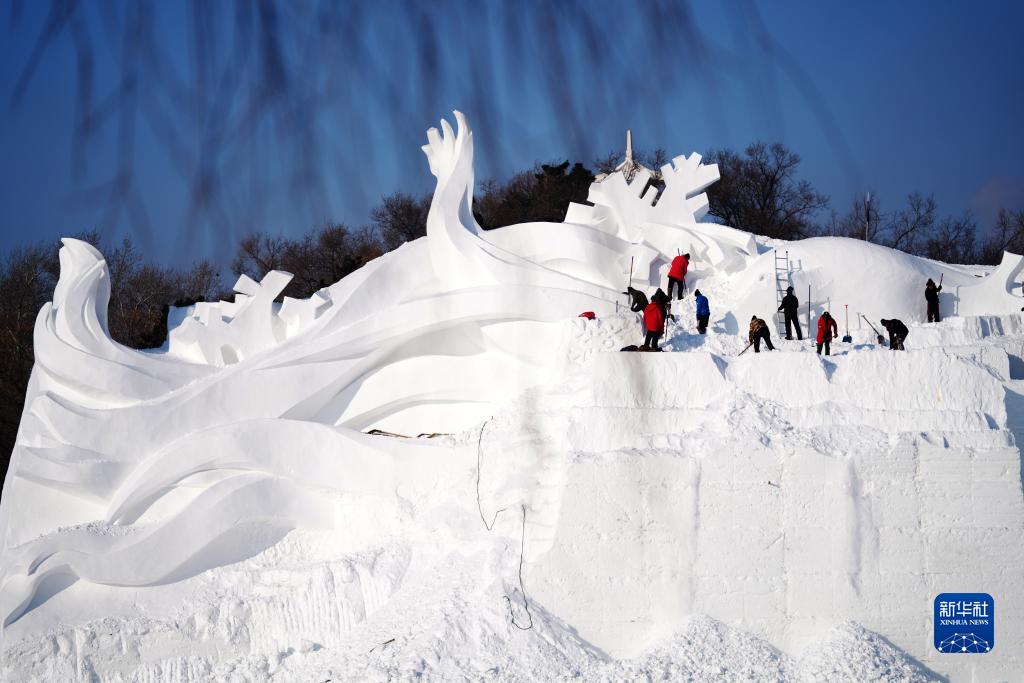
<point x="677" y="275"/>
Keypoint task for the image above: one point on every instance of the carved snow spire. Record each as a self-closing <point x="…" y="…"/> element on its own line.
<point x="629" y="166"/>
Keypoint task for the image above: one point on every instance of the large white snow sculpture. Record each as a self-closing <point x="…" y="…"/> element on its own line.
<point x="643" y="487"/>
<point x="429" y="338"/>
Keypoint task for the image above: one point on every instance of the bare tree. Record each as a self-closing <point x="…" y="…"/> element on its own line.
<point x="201" y="283"/>
<point x="141" y="294"/>
<point x="400" y="218"/>
<point x="914" y="228"/>
<point x="910" y="226"/>
<point x="759" y="192"/>
<point x="1007" y="235"/>
<point x="316" y="260"/>
<point x="863" y="221"/>
<point x="540" y="194"/>
<point x="607" y="163"/>
<point x="27" y="278"/>
<point x="953" y="240"/>
<point x="258" y="254"/>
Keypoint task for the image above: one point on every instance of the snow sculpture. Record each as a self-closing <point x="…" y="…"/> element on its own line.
<point x="143" y="469"/>
<point x="481" y="323"/>
<point x="621" y="207"/>
<point x="223" y="333"/>
<point x="626" y="205"/>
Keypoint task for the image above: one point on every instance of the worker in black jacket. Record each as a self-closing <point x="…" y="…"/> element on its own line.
<point x="931" y="295"/>
<point x="789" y="307"/>
<point x="638" y="300"/>
<point x="897" y="333"/>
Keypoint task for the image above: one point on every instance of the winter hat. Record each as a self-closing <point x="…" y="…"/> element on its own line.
<point x="884" y="321"/>
<point x="686" y="255"/>
<point x="696" y="292"/>
<point x="789" y="290"/>
<point x="931" y="282"/>
<point x="753" y="318"/>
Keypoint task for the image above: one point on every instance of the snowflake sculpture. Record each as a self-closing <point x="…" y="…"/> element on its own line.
<point x="964" y="642"/>
<point x="624" y="202"/>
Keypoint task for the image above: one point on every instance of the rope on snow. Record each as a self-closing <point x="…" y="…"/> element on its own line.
<point x="522" y="589"/>
<point x="522" y="540"/>
<point x="479" y="504"/>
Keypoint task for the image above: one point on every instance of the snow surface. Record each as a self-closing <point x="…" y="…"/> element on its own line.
<point x="215" y="510"/>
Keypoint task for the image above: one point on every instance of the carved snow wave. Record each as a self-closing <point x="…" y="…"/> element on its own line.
<point x="254" y="410"/>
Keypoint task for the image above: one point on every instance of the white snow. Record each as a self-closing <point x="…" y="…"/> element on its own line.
<point x="216" y="511"/>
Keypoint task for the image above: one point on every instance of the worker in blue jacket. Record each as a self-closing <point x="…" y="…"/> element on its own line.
<point x="703" y="312"/>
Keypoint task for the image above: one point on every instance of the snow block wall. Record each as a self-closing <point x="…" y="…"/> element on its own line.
<point x="216" y="509"/>
<point x="786" y="494"/>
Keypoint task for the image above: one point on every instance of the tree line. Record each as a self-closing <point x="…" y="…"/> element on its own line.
<point x="760" y="191"/>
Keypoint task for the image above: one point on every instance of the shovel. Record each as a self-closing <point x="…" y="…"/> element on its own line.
<point x="881" y="339"/>
<point x="847" y="338"/>
<point x="629" y="283"/>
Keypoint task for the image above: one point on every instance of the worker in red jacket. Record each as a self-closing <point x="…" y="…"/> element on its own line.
<point x="826" y="331"/>
<point x="677" y="275"/>
<point x="654" y="323"/>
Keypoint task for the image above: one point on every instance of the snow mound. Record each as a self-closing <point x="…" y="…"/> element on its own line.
<point x="876" y="282"/>
<point x="851" y="653"/>
<point x="217" y="510"/>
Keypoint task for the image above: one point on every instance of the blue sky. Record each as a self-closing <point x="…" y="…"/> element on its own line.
<point x="880" y="96"/>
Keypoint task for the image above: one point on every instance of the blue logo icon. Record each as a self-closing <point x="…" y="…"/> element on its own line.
<point x="964" y="623"/>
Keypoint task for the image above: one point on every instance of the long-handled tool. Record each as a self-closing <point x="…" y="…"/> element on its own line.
<point x="847" y="339"/>
<point x="881" y="339"/>
<point x="629" y="282"/>
<point x="749" y="344"/>
<point x="809" y="335"/>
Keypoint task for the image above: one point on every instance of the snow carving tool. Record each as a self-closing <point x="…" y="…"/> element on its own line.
<point x="881" y="339"/>
<point x="749" y="344"/>
<point x="810" y="336"/>
<point x="847" y="338"/>
<point x="629" y="282"/>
